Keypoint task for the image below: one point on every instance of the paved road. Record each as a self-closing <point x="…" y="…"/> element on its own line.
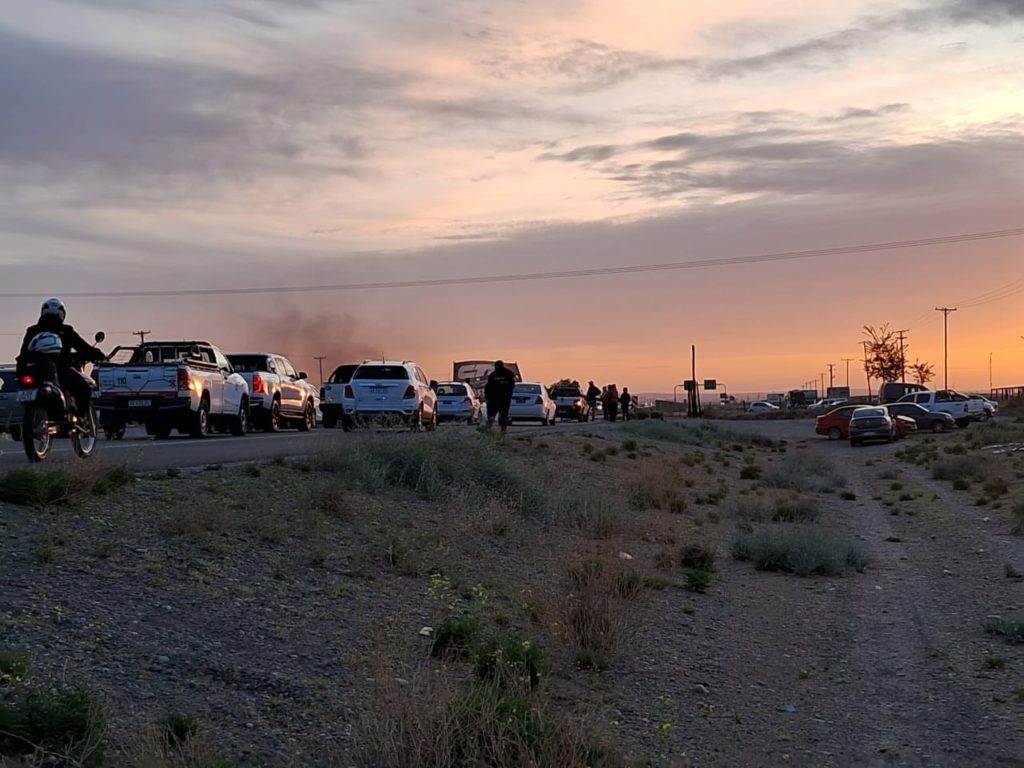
<point x="144" y="453"/>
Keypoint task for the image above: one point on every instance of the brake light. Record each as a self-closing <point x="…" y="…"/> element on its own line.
<point x="257" y="384"/>
<point x="467" y="401"/>
<point x="410" y="392"/>
<point x="540" y="401"/>
<point x="184" y="379"/>
<point x="27" y="381"/>
<point x="349" y="393"/>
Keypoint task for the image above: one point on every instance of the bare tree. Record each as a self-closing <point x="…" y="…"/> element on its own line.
<point x="883" y="359"/>
<point x="922" y="372"/>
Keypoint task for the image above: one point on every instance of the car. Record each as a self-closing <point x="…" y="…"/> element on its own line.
<point x="389" y="392"/>
<point x="961" y="407"/>
<point x="278" y="394"/>
<point x="871" y="423"/>
<point x="11" y="414"/>
<point x="332" y="394"/>
<point x="457" y="401"/>
<point x="892" y="391"/>
<point x="762" y="406"/>
<point x="531" y="402"/>
<point x="990" y="407"/>
<point x="836" y="423"/>
<point x="934" y="421"/>
<point x="904" y="426"/>
<point x="827" y="403"/>
<point x="570" y="402"/>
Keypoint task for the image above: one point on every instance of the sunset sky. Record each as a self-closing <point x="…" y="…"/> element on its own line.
<point x="207" y="144"/>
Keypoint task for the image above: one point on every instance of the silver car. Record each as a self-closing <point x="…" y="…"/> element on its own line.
<point x="872" y="423"/>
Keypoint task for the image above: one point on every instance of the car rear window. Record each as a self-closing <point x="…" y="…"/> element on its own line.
<point x="527" y="389"/>
<point x="342" y="374"/>
<point x="869" y="413"/>
<point x="165" y="353"/>
<point x="451" y="389"/>
<point x="381" y="372"/>
<point x="248" y="363"/>
<point x="8" y="381"/>
<point x="566" y="392"/>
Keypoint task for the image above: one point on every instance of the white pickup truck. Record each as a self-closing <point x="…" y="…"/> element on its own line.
<point x="185" y="385"/>
<point x="278" y="394"/>
<point x="960" y="407"/>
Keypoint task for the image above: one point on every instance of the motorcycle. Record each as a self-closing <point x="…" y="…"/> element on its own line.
<point x="49" y="413"/>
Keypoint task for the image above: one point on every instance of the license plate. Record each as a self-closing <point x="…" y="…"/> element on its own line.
<point x="27" y="395"/>
<point x="378" y="390"/>
<point x="140" y="403"/>
<point x="522" y="399"/>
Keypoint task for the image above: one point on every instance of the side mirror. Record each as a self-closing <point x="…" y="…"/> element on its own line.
<point x="303" y="375"/>
<point x="100" y="336"/>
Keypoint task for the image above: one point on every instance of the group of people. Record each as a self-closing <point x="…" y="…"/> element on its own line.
<point x="611" y="401"/>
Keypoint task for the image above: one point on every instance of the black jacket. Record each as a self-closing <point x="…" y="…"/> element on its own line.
<point x="499" y="386"/>
<point x="71" y="341"/>
<point x="593" y="394"/>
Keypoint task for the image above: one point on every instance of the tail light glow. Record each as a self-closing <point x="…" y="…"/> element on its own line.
<point x="27" y="381"/>
<point x="184" y="379"/>
<point x="540" y="401"/>
<point x="410" y="393"/>
<point x="349" y="393"/>
<point x="257" y="385"/>
<point x="467" y="401"/>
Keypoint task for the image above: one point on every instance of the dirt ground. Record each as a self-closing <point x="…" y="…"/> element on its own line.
<point x="276" y="603"/>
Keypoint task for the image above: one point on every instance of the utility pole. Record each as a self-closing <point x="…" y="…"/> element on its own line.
<point x="990" y="373"/>
<point x="320" y="361"/>
<point x="903" y="359"/>
<point x="831" y="376"/>
<point x="822" y="375"/>
<point x="848" y="360"/>
<point x="867" y="371"/>
<point x="945" y="343"/>
<point x="142" y="335"/>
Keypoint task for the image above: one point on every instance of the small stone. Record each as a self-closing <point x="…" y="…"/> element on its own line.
<point x="625" y="556"/>
<point x="427" y="631"/>
<point x="701" y="689"/>
<point x="986" y="519"/>
<point x="163" y="660"/>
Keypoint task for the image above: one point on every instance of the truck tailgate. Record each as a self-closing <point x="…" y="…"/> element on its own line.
<point x="134" y="379"/>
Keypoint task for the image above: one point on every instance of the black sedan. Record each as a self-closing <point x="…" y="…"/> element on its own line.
<point x="935" y="421"/>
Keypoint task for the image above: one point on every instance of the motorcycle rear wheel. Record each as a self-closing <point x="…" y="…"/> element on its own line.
<point x="35" y="433"/>
<point x="83" y="440"/>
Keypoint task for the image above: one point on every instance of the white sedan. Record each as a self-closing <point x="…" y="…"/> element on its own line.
<point x="457" y="401"/>
<point x="762" y="406"/>
<point x="531" y="402"/>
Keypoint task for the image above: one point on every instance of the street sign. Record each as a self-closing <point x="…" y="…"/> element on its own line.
<point x="689" y="385"/>
<point x="710" y="384"/>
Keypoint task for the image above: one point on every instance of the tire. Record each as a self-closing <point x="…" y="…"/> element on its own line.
<point x="308" y="422"/>
<point x="85" y="444"/>
<point x="963" y="423"/>
<point x="330" y="420"/>
<point x="938" y="427"/>
<point x="240" y="423"/>
<point x="200" y="426"/>
<point x="274" y="419"/>
<point x="431" y="425"/>
<point x="347" y="424"/>
<point x="835" y="433"/>
<point x="35" y="433"/>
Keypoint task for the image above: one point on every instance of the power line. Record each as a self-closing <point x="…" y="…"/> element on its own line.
<point x="559" y="275"/>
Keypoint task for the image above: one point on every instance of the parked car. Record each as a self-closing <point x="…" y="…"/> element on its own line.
<point x="836" y="423"/>
<point x="904" y="426"/>
<point x="389" y="391"/>
<point x="570" y="402"/>
<point x="278" y="394"/>
<point x="185" y="385"/>
<point x="961" y="407"/>
<point x="871" y="423"/>
<point x="457" y="401"/>
<point x="892" y="391"/>
<point x="762" y="406"/>
<point x="991" y="407"/>
<point x="827" y="403"/>
<point x="10" y="409"/>
<point x="531" y="402"/>
<point x="332" y="394"/>
<point x="935" y="421"/>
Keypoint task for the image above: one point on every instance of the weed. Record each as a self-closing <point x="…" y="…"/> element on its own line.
<point x="697" y="580"/>
<point x="993" y="662"/>
<point x="803" y="550"/>
<point x="697" y="557"/>
<point x="599" y="456"/>
<point x="971" y="467"/>
<point x="178" y="729"/>
<point x="1012" y="573"/>
<point x="251" y="470"/>
<point x="1018" y="519"/>
<point x="804" y="472"/>
<point x="1010" y="628"/>
<point x="750" y="472"/>
<point x="848" y="496"/>
<point x="663" y="560"/>
<point x="586" y="572"/>
<point x="796" y="509"/>
<point x="756" y="509"/>
<point x="906" y="497"/>
<point x="896" y="486"/>
<point x="630" y="446"/>
<point x="62" y="722"/>
<point x="592" y="514"/>
<point x="14" y="668"/>
<point x="510" y="662"/>
<point x="961" y="484"/>
<point x="31" y="488"/>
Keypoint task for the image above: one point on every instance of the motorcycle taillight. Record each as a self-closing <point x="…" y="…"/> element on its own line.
<point x="28" y="381"/>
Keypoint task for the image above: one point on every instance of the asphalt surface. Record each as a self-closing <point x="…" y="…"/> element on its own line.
<point x="140" y="452"/>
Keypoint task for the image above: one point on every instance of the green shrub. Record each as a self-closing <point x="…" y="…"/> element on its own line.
<point x="697" y="557"/>
<point x="177" y="730"/>
<point x="848" y="496"/>
<point x="697" y="580"/>
<point x="31" y="487"/>
<point x="455" y="638"/>
<point x="750" y="472"/>
<point x="1010" y="628"/>
<point x="64" y="722"/>
<point x="803" y="550"/>
<point x="804" y="472"/>
<point x="510" y="662"/>
<point x="14" y="668"/>
<point x="796" y="509"/>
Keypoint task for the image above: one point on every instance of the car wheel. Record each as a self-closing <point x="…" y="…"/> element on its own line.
<point x="835" y="433"/>
<point x="938" y="426"/>
<point x="240" y="423"/>
<point x="274" y="420"/>
<point x="200" y="420"/>
<point x="308" y="418"/>
<point x="963" y="423"/>
<point x="432" y="424"/>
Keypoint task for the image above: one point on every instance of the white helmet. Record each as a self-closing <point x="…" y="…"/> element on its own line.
<point x="45" y="344"/>
<point x="53" y="307"/>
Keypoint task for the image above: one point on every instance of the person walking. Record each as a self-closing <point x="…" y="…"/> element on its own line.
<point x="625" y="400"/>
<point x="498" y="394"/>
<point x="611" y="403"/>
<point x="593" y="395"/>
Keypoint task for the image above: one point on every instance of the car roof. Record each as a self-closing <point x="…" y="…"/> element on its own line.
<point x="386" y="362"/>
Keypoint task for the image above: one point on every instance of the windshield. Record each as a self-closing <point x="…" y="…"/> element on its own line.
<point x="566" y="392"/>
<point x="527" y="389"/>
<point x="452" y="389"/>
<point x="869" y="413"/>
<point x="249" y="363"/>
<point x="381" y="373"/>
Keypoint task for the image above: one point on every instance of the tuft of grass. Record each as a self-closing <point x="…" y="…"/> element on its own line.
<point x="1010" y="628"/>
<point x="697" y="557"/>
<point x="796" y="509"/>
<point x="1017" y="514"/>
<point x="804" y="472"/>
<point x="848" y="496"/>
<point x="510" y="662"/>
<point x="750" y="472"/>
<point x="28" y="487"/>
<point x="1012" y="573"/>
<point x="14" y="668"/>
<point x="178" y="729"/>
<point x="455" y="638"/>
<point x="697" y="580"/>
<point x="993" y="662"/>
<point x="800" y="549"/>
<point x="971" y="467"/>
<point x="69" y="723"/>
<point x="961" y="484"/>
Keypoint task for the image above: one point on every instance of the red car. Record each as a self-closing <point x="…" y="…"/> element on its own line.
<point x="904" y="425"/>
<point x="836" y="423"/>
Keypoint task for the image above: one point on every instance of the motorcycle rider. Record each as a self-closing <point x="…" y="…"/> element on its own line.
<point x="51" y="320"/>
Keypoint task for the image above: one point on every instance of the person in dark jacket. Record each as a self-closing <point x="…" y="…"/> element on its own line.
<point x="498" y="394"/>
<point x="51" y="320"/>
<point x="593" y="395"/>
<point x="611" y="403"/>
<point x="625" y="400"/>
